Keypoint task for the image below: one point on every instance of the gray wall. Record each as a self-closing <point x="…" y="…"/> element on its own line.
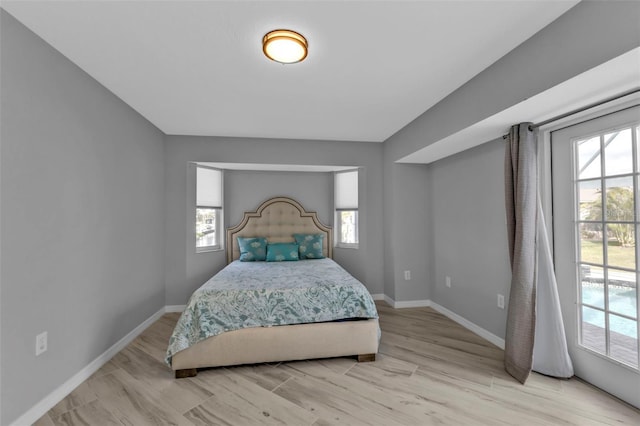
<point x="81" y="218"/>
<point x="469" y="235"/>
<point x="245" y="190"/>
<point x="406" y="232"/>
<point x="186" y="270"/>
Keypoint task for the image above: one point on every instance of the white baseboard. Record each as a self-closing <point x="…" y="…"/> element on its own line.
<point x="499" y="342"/>
<point x="407" y="303"/>
<point x="411" y="304"/>
<point x="174" y="308"/>
<point x="389" y="300"/>
<point x="67" y="387"/>
<point x="378" y="296"/>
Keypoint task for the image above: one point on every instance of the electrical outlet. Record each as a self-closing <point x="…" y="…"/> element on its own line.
<point x="41" y="343"/>
<point x="447" y="281"/>
<point x="407" y="275"/>
<point x="500" y="301"/>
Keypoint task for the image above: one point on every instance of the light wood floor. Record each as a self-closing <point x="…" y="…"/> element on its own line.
<point x="429" y="371"/>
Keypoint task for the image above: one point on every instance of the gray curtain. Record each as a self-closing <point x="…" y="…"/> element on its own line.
<point x="521" y="183"/>
<point x="535" y="337"/>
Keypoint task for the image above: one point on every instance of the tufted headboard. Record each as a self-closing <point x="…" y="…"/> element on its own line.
<point x="278" y="219"/>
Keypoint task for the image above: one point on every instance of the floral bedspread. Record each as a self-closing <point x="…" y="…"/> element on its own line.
<point x="264" y="294"/>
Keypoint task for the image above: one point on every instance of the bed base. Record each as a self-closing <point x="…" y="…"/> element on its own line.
<point x="281" y="343"/>
<point x="193" y="372"/>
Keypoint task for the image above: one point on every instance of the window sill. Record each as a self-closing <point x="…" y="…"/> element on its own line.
<point x="347" y="246"/>
<point x="208" y="249"/>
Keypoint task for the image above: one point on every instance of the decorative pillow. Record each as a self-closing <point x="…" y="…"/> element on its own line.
<point x="252" y="249"/>
<point x="310" y="245"/>
<point x="278" y="252"/>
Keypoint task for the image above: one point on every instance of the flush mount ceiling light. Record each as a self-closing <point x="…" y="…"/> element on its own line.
<point x="284" y="46"/>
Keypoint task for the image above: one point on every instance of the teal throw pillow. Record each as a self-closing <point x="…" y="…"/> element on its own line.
<point x="310" y="245"/>
<point x="279" y="252"/>
<point x="252" y="249"/>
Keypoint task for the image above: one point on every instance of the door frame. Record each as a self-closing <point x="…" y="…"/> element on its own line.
<point x="570" y="313"/>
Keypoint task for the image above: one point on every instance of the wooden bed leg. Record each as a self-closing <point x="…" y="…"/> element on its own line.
<point x="366" y="357"/>
<point x="188" y="372"/>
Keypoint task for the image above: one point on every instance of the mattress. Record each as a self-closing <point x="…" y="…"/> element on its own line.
<point x="266" y="294"/>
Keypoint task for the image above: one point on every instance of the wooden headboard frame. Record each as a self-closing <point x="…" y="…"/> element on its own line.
<point x="278" y="219"/>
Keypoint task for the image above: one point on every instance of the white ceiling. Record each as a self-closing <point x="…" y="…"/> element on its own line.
<point x="196" y="67"/>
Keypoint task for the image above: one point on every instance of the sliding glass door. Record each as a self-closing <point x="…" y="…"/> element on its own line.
<point x="595" y="216"/>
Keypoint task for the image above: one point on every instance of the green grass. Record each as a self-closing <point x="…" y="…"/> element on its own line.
<point x="618" y="255"/>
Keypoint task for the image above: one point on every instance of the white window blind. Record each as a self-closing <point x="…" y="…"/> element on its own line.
<point x="346" y="190"/>
<point x="208" y="188"/>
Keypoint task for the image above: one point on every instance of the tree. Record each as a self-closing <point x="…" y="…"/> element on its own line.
<point x="619" y="207"/>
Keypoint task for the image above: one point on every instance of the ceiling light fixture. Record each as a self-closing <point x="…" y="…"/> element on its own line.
<point x="284" y="46"/>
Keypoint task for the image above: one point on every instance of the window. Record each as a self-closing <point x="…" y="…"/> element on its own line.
<point x="606" y="185"/>
<point x="346" y="204"/>
<point x="208" y="209"/>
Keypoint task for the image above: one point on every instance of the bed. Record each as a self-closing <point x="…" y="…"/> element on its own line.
<point x="257" y="312"/>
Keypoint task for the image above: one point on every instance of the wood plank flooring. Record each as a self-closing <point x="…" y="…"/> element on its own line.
<point x="429" y="370"/>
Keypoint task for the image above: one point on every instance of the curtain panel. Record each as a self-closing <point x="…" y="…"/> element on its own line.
<point x="535" y="337"/>
<point x="521" y="183"/>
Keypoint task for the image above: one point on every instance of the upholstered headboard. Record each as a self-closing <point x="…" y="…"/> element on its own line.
<point x="278" y="219"/>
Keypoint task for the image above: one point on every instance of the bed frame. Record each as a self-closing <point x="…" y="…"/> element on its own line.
<point x="278" y="219"/>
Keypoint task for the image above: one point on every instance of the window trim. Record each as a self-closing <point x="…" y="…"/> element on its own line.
<point x="338" y="225"/>
<point x="219" y="221"/>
